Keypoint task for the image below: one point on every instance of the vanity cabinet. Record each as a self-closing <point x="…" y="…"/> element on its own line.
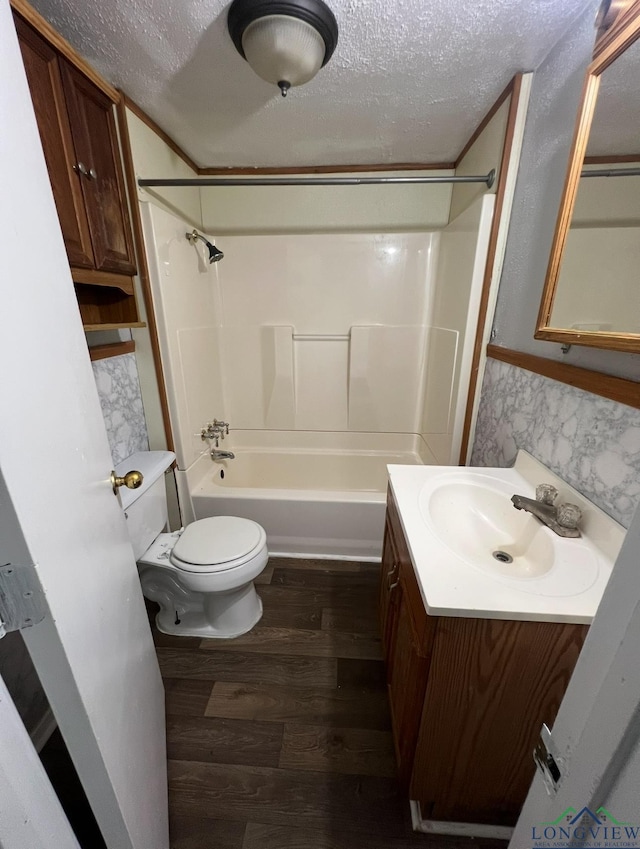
<point x="468" y="696"/>
<point x="79" y="138"/>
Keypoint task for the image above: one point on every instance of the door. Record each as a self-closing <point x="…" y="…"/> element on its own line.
<point x="596" y="736"/>
<point x="95" y="141"/>
<point x="30" y="813"/>
<point x="59" y="519"/>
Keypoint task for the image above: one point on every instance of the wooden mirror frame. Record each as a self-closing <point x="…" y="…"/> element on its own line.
<point x="621" y="36"/>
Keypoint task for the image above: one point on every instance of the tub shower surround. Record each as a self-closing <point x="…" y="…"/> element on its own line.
<point x="121" y="401"/>
<point x="590" y="442"/>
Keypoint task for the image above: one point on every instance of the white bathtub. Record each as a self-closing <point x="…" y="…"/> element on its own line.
<point x="313" y="500"/>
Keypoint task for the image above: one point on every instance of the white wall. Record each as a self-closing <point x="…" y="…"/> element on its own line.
<point x="153" y="158"/>
<point x="483" y="155"/>
<point x="459" y="276"/>
<point x="312" y="209"/>
<point x="185" y="295"/>
<point x="369" y="294"/>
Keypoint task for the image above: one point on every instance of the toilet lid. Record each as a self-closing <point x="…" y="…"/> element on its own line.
<point x="210" y="542"/>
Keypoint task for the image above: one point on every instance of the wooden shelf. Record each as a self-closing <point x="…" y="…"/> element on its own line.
<point x="116" y="349"/>
<point x="114" y="326"/>
<point x="90" y="277"/>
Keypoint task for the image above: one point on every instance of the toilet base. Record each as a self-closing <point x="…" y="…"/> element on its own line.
<point x="217" y="616"/>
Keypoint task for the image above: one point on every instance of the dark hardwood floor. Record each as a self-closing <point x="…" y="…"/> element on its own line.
<point x="281" y="738"/>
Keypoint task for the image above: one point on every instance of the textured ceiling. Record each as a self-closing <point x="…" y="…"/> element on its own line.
<point x="409" y="81"/>
<point x="616" y="120"/>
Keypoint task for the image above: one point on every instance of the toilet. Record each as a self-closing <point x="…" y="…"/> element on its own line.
<point x="202" y="575"/>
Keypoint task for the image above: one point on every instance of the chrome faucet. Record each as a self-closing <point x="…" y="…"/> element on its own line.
<point x="562" y="519"/>
<point x="222" y="455"/>
<point x="215" y="430"/>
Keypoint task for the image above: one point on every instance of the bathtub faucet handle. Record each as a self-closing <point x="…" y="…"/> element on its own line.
<point x="223" y="427"/>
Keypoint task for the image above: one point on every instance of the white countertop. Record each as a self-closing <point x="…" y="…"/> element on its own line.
<point x="452" y="587"/>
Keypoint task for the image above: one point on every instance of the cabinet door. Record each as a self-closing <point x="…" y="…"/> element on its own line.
<point x="45" y="83"/>
<point x="388" y="583"/>
<point x="95" y="140"/>
<point x="492" y="683"/>
<point x="408" y="681"/>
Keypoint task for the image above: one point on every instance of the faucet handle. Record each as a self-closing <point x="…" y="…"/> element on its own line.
<point x="569" y="515"/>
<point x="546" y="493"/>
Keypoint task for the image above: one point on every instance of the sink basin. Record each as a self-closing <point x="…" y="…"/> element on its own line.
<point x="471" y="513"/>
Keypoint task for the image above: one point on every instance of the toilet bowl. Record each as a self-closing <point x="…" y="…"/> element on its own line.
<point x="201" y="576"/>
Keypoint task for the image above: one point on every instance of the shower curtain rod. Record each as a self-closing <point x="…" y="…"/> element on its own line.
<point x="488" y="179"/>
<point x="612" y="172"/>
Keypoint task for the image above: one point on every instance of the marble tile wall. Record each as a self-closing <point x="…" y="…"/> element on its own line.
<point x="589" y="441"/>
<point x="121" y="402"/>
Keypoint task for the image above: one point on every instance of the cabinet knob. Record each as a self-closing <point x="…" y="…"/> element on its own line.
<point x="80" y="168"/>
<point x="92" y="174"/>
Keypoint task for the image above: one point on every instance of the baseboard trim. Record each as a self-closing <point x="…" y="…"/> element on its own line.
<point x="296" y="555"/>
<point x="457" y="829"/>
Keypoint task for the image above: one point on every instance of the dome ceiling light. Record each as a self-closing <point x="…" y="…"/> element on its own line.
<point x="286" y="42"/>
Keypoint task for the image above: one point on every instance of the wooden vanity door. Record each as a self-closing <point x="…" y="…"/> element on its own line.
<point x="409" y="672"/>
<point x="492" y="684"/>
<point x="45" y="83"/>
<point x="95" y="139"/>
<point x="407" y="635"/>
<point x="389" y="578"/>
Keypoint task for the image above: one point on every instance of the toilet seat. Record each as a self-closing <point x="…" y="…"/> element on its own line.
<point x="217" y="544"/>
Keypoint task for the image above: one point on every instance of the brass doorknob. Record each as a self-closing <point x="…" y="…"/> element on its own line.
<point x="132" y="480"/>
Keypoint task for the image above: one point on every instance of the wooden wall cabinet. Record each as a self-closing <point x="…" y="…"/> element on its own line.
<point x="468" y="696"/>
<point x="78" y="133"/>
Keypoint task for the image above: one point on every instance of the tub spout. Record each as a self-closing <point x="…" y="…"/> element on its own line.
<point x="222" y="455"/>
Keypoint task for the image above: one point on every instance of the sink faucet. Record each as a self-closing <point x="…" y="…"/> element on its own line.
<point x="222" y="455"/>
<point x="563" y="519"/>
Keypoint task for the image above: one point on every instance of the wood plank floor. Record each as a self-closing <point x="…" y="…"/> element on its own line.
<point x="281" y="738"/>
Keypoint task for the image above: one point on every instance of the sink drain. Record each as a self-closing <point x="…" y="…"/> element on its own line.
<point x="503" y="556"/>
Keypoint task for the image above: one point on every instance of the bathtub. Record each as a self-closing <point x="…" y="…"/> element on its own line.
<point x="313" y="500"/>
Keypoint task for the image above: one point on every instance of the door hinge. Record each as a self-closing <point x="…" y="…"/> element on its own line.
<point x="548" y="761"/>
<point x="22" y="602"/>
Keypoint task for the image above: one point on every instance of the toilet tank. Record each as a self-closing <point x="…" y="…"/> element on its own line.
<point x="145" y="508"/>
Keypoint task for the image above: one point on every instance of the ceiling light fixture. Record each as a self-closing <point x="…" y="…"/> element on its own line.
<point x="286" y="42"/>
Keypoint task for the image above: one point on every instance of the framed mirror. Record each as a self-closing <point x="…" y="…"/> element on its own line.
<point x="592" y="290"/>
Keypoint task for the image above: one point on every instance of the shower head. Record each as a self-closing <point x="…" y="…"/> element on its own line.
<point x="215" y="254"/>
